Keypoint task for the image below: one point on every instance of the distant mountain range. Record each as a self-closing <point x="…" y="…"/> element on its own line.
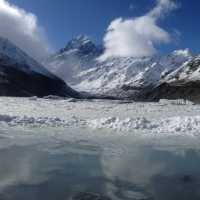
<point x="148" y="78"/>
<point x="173" y="76"/>
<point x="20" y="75"/>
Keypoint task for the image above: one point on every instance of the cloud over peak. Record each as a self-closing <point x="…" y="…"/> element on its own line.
<point x="162" y="8"/>
<point x="136" y="37"/>
<point x="21" y="27"/>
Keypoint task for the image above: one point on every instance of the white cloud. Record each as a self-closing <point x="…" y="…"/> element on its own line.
<point x="162" y="8"/>
<point x="137" y="37"/>
<point x="21" y="27"/>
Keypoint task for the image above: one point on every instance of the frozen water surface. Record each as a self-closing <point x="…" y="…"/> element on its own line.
<point x="68" y="149"/>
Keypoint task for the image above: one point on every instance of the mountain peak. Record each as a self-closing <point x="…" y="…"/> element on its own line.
<point x="82" y="44"/>
<point x="78" y="42"/>
<point x="82" y="39"/>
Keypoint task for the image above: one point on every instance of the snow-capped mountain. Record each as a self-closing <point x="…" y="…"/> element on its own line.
<point x="78" y="55"/>
<point x="78" y="65"/>
<point x="127" y="75"/>
<point x="182" y="83"/>
<point x="189" y="72"/>
<point x="20" y="75"/>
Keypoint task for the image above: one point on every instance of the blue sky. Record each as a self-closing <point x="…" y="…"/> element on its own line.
<point x="64" y="19"/>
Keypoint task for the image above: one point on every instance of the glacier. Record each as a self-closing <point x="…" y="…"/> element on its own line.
<point x="163" y="118"/>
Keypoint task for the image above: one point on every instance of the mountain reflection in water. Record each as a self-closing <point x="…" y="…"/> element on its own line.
<point x="85" y="171"/>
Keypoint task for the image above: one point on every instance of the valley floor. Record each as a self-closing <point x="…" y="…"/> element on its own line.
<point x="120" y="117"/>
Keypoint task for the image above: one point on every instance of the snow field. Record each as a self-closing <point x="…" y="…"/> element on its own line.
<point x="166" y="117"/>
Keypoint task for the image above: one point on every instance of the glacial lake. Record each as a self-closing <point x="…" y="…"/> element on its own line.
<point x="40" y="165"/>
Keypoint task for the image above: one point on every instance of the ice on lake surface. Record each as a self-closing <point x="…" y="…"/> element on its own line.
<point x="109" y="150"/>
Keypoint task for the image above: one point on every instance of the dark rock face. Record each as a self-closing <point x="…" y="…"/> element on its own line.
<point x="182" y="84"/>
<point x="22" y="76"/>
<point x="189" y="91"/>
<point x="15" y="82"/>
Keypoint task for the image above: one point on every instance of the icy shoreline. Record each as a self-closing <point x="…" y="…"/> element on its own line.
<point x="174" y="125"/>
<point x="122" y="117"/>
<point x="168" y="125"/>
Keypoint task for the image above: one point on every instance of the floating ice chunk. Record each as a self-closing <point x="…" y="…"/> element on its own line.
<point x="181" y="124"/>
<point x="178" y="124"/>
<point x="121" y="125"/>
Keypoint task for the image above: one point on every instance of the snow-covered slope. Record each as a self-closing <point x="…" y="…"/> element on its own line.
<point x="182" y="83"/>
<point x="78" y="65"/>
<point x="20" y="75"/>
<point x="16" y="55"/>
<point x="78" y="55"/>
<point x="130" y="73"/>
<point x="187" y="73"/>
